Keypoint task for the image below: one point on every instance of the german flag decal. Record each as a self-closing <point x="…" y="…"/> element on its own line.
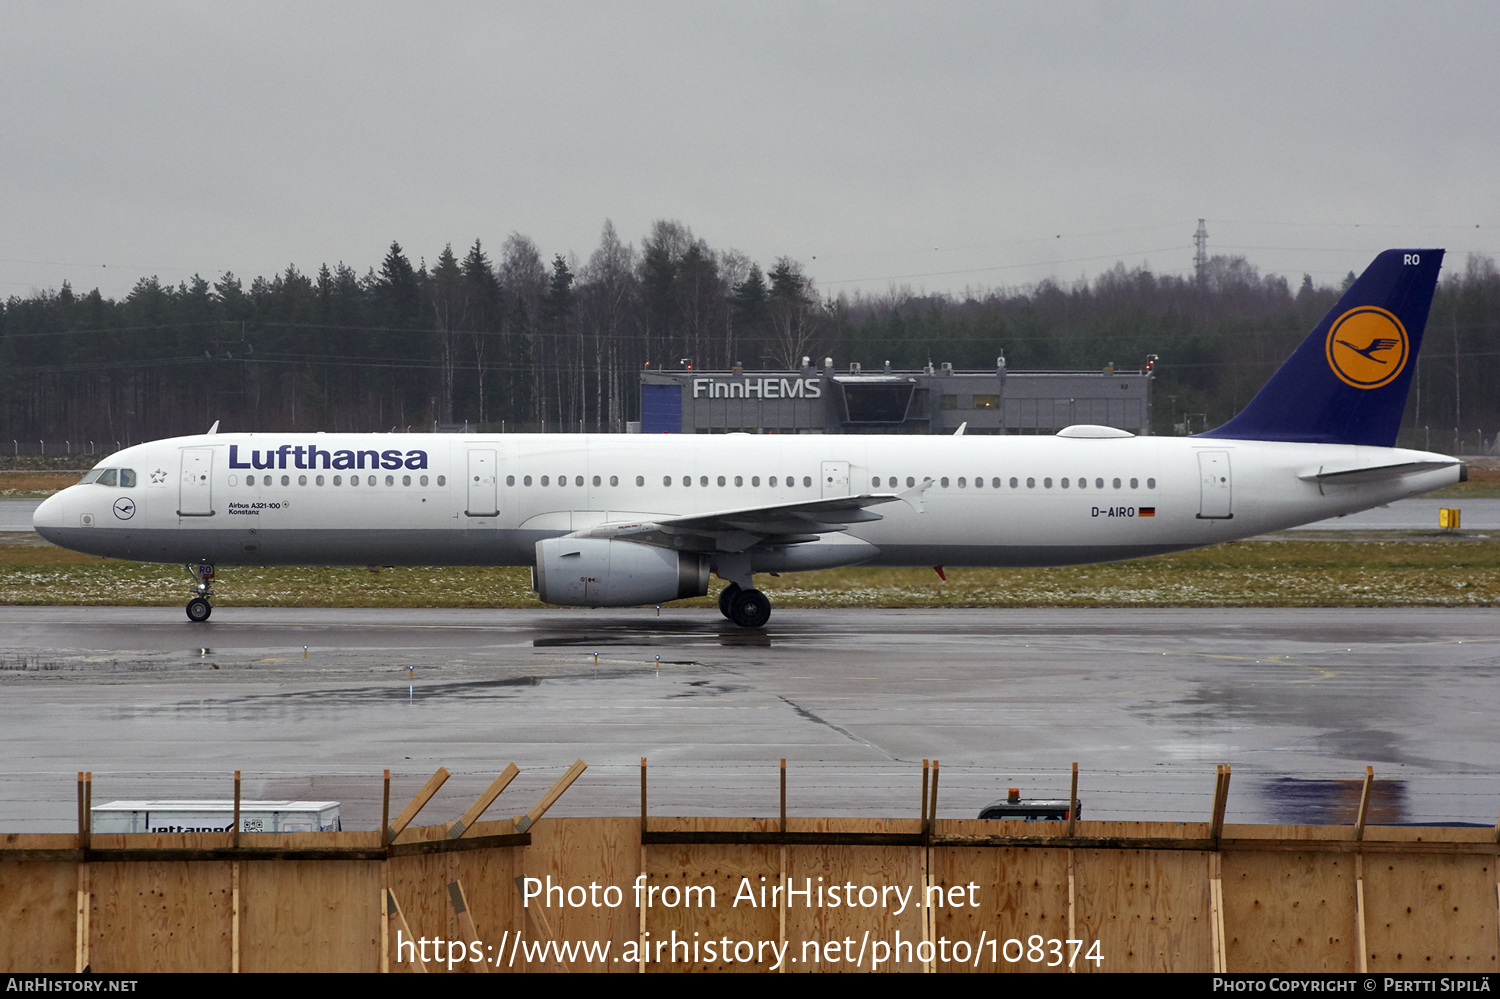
<point x="1146" y="511"/>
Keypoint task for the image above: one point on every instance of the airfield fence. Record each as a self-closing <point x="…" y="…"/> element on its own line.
<point x="1153" y="896"/>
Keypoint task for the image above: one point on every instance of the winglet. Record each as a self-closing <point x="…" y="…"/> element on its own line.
<point x="214" y="429"/>
<point x="961" y="428"/>
<point x="913" y="496"/>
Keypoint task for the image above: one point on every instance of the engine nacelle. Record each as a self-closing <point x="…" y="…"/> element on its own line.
<point x="605" y="572"/>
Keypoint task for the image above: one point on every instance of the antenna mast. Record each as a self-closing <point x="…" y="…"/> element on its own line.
<point x="1200" y="258"/>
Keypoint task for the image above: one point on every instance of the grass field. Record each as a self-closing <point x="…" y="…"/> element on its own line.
<point x="1391" y="569"/>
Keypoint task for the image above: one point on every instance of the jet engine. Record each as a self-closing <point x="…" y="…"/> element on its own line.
<point x="605" y="572"/>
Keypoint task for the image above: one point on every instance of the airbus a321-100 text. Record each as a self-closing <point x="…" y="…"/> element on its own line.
<point x="612" y="520"/>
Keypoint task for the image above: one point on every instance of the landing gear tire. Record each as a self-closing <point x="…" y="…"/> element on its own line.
<point x="198" y="610"/>
<point x="750" y="609"/>
<point x="725" y="596"/>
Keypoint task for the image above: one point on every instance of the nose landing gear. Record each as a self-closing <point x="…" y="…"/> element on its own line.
<point x="198" y="608"/>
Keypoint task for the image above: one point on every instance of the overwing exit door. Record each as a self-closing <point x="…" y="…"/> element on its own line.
<point x="484" y="482"/>
<point x="835" y="478"/>
<point x="1216" y="486"/>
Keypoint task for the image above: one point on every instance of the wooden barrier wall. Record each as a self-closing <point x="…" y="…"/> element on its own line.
<point x="1287" y="896"/>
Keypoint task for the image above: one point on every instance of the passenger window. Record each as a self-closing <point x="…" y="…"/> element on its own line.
<point x="1064" y="483"/>
<point x="614" y="480"/>
<point x="962" y="482"/>
<point x="442" y="480"/>
<point x="390" y="480"/>
<point x="1083" y="482"/>
<point x="1047" y="483"/>
<point x="338" y="480"/>
<point x="319" y="480"/>
<point x="666" y="480"/>
<point x="910" y="482"/>
<point x="1013" y="482"/>
<point x="807" y="481"/>
<point x="406" y="480"/>
<point x="771" y="482"/>
<point x="510" y="480"/>
<point x="945" y="482"/>
<point x="526" y="481"/>
<point x="578" y="480"/>
<point x="994" y="483"/>
<point x="1098" y="483"/>
<point x="109" y="477"/>
<point x="302" y="480"/>
<point x="1031" y="483"/>
<point x="127" y="478"/>
<point x="354" y="480"/>
<point x="687" y="480"/>
<point x="1117" y="483"/>
<point x="545" y="480"/>
<point x="370" y="480"/>
<point x="739" y="480"/>
<point x="1150" y="483"/>
<point x="1135" y="483"/>
<point x="597" y="480"/>
<point x="703" y="481"/>
<point x="640" y="480"/>
<point x="875" y="482"/>
<point x="721" y="480"/>
<point x="755" y="480"/>
<point x="286" y="480"/>
<point x="978" y="482"/>
<point x="423" y="480"/>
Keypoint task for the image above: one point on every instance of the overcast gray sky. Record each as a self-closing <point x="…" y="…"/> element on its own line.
<point x="940" y="146"/>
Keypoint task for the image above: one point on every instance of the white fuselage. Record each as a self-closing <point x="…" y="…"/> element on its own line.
<point x="425" y="499"/>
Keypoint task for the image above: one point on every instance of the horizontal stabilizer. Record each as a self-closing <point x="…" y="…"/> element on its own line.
<point x="1375" y="473"/>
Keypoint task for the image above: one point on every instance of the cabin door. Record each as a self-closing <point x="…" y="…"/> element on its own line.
<point x="835" y="478"/>
<point x="1216" y="486"/>
<point x="195" y="490"/>
<point x="484" y="483"/>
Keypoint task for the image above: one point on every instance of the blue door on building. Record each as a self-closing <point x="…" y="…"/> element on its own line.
<point x="661" y="409"/>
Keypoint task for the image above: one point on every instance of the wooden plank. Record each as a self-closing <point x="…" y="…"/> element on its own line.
<point x="1288" y="912"/>
<point x="862" y="866"/>
<point x="470" y="934"/>
<point x="393" y="910"/>
<point x="1364" y="804"/>
<point x="581" y="852"/>
<point x="234" y="910"/>
<point x="1430" y="914"/>
<point x="39" y="910"/>
<point x="417" y="803"/>
<point x="235" y="827"/>
<point x="536" y="811"/>
<point x="1021" y="892"/>
<point x="465" y="821"/>
<point x="543" y="926"/>
<point x="159" y="917"/>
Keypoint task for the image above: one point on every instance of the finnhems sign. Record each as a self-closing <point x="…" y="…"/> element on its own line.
<point x="757" y="388"/>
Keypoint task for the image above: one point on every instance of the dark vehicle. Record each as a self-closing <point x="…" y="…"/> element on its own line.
<point x="1028" y="809"/>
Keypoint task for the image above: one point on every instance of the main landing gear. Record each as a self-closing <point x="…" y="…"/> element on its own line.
<point x="746" y="608"/>
<point x="198" y="608"/>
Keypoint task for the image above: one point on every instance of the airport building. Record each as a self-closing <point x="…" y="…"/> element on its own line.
<point x="933" y="400"/>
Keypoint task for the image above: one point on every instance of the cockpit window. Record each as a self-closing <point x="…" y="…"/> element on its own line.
<point x="91" y="476"/>
<point x="109" y="477"/>
<point x="127" y="478"/>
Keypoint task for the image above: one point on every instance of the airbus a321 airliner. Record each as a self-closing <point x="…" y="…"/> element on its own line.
<point x="610" y="520"/>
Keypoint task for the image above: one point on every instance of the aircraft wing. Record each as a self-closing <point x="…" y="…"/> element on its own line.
<point x="736" y="530"/>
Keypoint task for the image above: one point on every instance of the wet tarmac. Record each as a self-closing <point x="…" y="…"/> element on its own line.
<point x="1147" y="702"/>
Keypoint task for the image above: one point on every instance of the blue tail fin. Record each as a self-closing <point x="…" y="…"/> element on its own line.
<point x="1348" y="381"/>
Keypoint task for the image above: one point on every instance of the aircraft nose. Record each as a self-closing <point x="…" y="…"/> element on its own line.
<point x="49" y="513"/>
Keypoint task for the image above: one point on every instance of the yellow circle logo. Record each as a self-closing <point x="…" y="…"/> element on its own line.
<point x="1367" y="347"/>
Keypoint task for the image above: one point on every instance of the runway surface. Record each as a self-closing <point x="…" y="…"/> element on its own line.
<point x="1147" y="702"/>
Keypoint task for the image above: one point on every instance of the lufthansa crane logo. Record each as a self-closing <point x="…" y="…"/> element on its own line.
<point x="1367" y="347"/>
<point x="124" y="508"/>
